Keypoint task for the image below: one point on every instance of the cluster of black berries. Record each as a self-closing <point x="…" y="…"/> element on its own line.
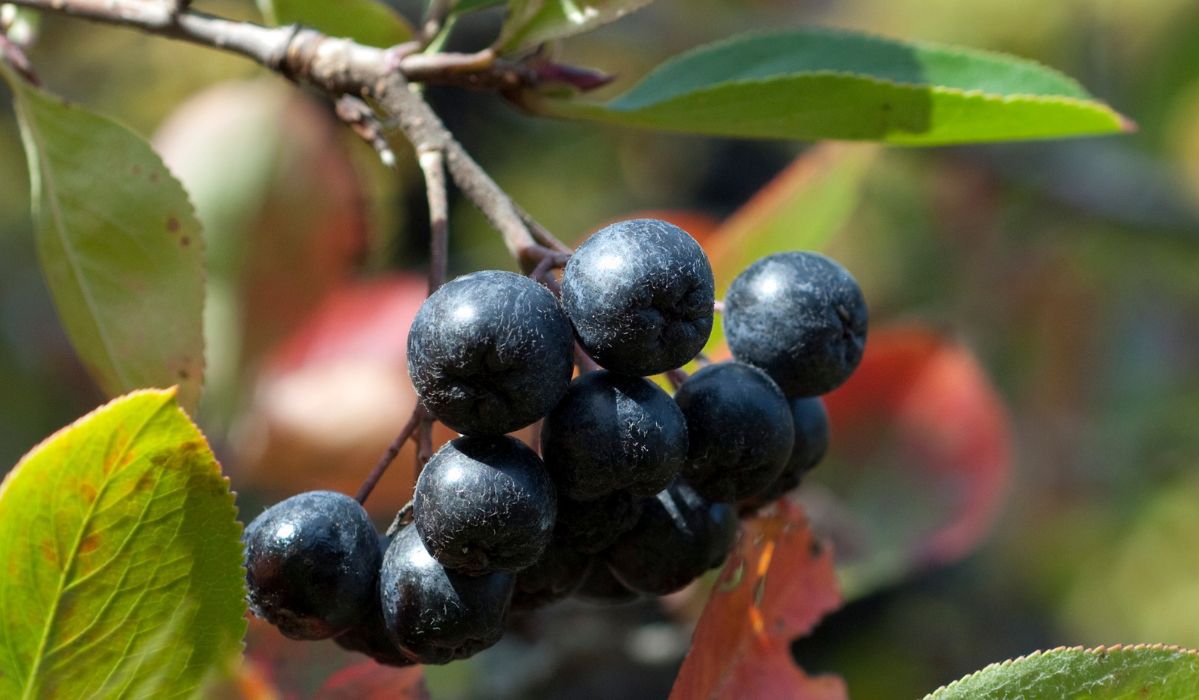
<point x="634" y="493"/>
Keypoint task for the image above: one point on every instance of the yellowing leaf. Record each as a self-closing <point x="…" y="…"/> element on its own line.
<point x="122" y="559"/>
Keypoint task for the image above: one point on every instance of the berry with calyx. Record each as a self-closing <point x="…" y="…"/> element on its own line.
<point x="680" y="536"/>
<point x="433" y="615"/>
<point x="811" y="442"/>
<point x="557" y="574"/>
<point x="592" y="526"/>
<point x="640" y="295"/>
<point x="311" y="564"/>
<point x="600" y="587"/>
<point x="740" y="430"/>
<point x="799" y="316"/>
<point x="613" y="432"/>
<point x="490" y="352"/>
<point x="485" y="504"/>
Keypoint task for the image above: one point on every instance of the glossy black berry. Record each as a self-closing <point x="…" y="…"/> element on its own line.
<point x="557" y="574"/>
<point x="640" y="294"/>
<point x="740" y="430"/>
<point x="485" y="504"/>
<point x="799" y="316"/>
<point x="600" y="587"/>
<point x="613" y="432"/>
<point x="311" y="564"/>
<point x="680" y="535"/>
<point x="592" y="526"/>
<point x="490" y="352"/>
<point x="433" y="615"/>
<point x="811" y="442"/>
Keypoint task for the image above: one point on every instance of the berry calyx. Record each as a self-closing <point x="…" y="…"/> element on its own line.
<point x="639" y="294"/>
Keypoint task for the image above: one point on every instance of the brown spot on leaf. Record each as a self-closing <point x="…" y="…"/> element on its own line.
<point x="49" y="553"/>
<point x="136" y="170"/>
<point x="145" y="483"/>
<point x="90" y="543"/>
<point x="153" y="177"/>
<point x="172" y="224"/>
<point x="183" y="374"/>
<point x="88" y="492"/>
<point x="185" y="241"/>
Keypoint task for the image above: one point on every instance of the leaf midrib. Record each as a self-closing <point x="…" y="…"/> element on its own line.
<point x="30" y="682"/>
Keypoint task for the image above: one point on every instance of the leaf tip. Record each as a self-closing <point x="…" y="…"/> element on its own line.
<point x="1127" y="126"/>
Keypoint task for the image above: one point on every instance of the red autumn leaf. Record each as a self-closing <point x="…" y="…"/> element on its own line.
<point x="776" y="585"/>
<point x="920" y="458"/>
<point x="282" y="667"/>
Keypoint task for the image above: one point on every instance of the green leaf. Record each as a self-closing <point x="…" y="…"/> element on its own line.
<point x="814" y="84"/>
<point x="119" y="244"/>
<point x="531" y="22"/>
<point x="365" y="21"/>
<point x="1142" y="671"/>
<point x="123" y="559"/>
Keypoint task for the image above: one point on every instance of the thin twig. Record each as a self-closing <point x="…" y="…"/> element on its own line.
<point x="432" y="164"/>
<point x="406" y="433"/>
<point x="359" y="116"/>
<point x="15" y="57"/>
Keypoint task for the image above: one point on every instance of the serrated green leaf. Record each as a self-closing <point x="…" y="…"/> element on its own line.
<point x="119" y="245"/>
<point x="1155" y="672"/>
<point x="815" y="84"/>
<point x="531" y="22"/>
<point x="123" y="559"/>
<point x="365" y="21"/>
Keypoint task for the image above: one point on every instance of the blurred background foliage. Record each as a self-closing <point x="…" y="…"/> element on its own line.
<point x="1067" y="273"/>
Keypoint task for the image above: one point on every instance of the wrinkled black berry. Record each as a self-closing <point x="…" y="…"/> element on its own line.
<point x="433" y="615"/>
<point x="680" y="535"/>
<point x="600" y="587"/>
<point x="811" y="442"/>
<point x="740" y="431"/>
<point x="592" y="526"/>
<point x="490" y="352"/>
<point x="557" y="574"/>
<point x="613" y="432"/>
<point x="311" y="564"/>
<point x="799" y="316"/>
<point x="485" y="504"/>
<point x="640" y="294"/>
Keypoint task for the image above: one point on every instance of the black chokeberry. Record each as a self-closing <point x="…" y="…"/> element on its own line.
<point x="613" y="432"/>
<point x="485" y="504"/>
<point x="810" y="419"/>
<point x="799" y="316"/>
<point x="600" y="587"/>
<point x="490" y="352"/>
<point x="311" y="564"/>
<point x="592" y="526"/>
<point x="740" y="430"/>
<point x="557" y="574"/>
<point x="680" y="535"/>
<point x="640" y="295"/>
<point x="434" y="615"/>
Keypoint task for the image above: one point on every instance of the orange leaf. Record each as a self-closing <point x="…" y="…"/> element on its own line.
<point x="776" y="585"/>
